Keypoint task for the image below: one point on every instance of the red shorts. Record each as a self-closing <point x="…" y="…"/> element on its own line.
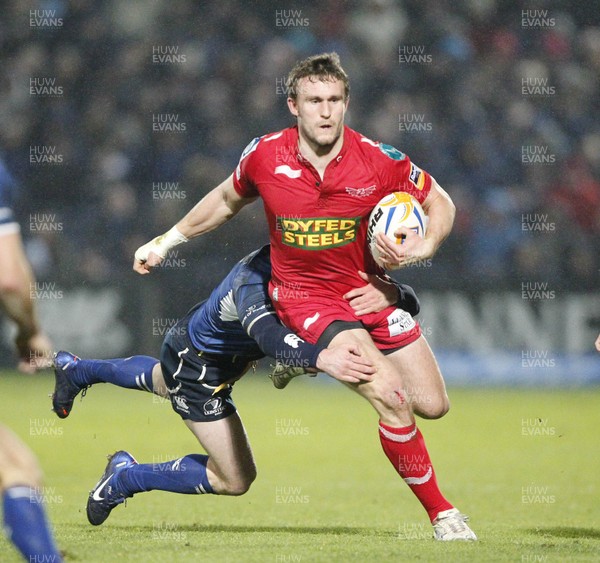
<point x="308" y="318"/>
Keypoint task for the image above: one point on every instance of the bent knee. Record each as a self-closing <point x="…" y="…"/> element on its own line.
<point x="18" y="464"/>
<point x="239" y="486"/>
<point x="18" y="473"/>
<point x="237" y="490"/>
<point x="434" y="409"/>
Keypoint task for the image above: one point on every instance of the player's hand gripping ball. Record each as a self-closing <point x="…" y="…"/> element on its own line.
<point x="399" y="209"/>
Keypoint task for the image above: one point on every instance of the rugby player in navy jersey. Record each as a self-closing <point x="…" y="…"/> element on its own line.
<point x="16" y="282"/>
<point x="25" y="522"/>
<point x="201" y="357"/>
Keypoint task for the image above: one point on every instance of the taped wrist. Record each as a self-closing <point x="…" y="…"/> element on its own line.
<point x="161" y="244"/>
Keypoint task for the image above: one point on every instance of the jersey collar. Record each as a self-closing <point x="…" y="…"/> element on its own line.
<point x="304" y="161"/>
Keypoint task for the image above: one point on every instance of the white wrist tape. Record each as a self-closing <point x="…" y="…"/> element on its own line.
<point x="160" y="245"/>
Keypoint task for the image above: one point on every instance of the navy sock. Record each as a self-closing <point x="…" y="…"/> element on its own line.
<point x="131" y="373"/>
<point x="186" y="475"/>
<point x="26" y="525"/>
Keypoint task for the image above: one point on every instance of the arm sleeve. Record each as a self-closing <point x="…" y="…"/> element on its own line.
<point x="399" y="174"/>
<point x="242" y="178"/>
<point x="260" y="321"/>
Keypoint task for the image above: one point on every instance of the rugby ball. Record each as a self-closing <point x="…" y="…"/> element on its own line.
<point x="399" y="209"/>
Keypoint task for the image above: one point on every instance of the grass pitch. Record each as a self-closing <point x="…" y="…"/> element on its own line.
<point x="524" y="464"/>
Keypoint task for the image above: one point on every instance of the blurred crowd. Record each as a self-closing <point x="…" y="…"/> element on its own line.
<point x="150" y="103"/>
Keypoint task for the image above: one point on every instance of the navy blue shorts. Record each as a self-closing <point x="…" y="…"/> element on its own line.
<point x="199" y="384"/>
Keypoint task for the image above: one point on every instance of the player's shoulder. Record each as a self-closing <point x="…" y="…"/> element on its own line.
<point x="259" y="260"/>
<point x="255" y="268"/>
<point x="376" y="149"/>
<point x="267" y="144"/>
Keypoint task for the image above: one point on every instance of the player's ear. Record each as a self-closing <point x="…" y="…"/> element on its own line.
<point x="292" y="106"/>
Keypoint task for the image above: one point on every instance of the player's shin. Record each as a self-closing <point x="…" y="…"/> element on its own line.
<point x="186" y="475"/>
<point x="131" y="373"/>
<point x="405" y="448"/>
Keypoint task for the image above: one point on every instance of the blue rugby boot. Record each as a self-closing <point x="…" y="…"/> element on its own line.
<point x="65" y="390"/>
<point x="104" y="496"/>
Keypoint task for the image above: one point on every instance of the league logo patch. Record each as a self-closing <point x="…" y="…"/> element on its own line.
<point x="251" y="146"/>
<point x="391" y="152"/>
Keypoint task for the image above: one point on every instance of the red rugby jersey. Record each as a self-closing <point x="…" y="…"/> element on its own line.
<point x="318" y="227"/>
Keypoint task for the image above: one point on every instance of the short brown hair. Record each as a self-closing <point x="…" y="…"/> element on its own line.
<point x="326" y="66"/>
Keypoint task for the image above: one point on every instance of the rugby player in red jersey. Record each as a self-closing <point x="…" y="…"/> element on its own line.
<point x="319" y="181"/>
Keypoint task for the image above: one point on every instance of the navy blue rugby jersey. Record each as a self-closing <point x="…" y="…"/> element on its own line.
<point x="239" y="319"/>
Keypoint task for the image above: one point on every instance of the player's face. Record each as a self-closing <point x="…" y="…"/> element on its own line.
<point x="320" y="108"/>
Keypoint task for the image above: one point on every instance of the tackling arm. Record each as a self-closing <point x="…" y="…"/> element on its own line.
<point x="279" y="342"/>
<point x="343" y="362"/>
<point x="259" y="320"/>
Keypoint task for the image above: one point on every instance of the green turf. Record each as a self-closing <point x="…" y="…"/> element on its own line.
<point x="524" y="464"/>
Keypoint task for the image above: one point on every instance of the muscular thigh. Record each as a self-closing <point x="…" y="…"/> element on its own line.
<point x="385" y="391"/>
<point x="226" y="443"/>
<point x="421" y="378"/>
<point x="407" y="381"/>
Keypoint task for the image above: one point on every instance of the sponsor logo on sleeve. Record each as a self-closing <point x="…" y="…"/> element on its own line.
<point x="250" y="147"/>
<point x="254" y="311"/>
<point x="416" y="176"/>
